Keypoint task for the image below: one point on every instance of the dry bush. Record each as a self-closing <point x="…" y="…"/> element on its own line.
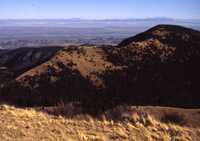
<point x="174" y="118"/>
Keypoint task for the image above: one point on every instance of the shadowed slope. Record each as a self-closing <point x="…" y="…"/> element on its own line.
<point x="162" y="66"/>
<point x="23" y="59"/>
<point x="17" y="61"/>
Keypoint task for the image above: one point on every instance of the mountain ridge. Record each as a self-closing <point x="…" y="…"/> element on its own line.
<point x="148" y="69"/>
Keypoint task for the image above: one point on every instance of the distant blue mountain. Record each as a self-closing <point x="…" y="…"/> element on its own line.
<point x="79" y="23"/>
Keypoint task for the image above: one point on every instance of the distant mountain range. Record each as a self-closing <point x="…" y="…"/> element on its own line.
<point x="76" y="22"/>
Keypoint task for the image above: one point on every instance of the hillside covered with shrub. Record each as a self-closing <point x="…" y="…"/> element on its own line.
<point x="157" y="67"/>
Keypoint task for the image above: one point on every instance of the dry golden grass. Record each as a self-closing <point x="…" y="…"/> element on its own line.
<point x="31" y="125"/>
<point x="89" y="61"/>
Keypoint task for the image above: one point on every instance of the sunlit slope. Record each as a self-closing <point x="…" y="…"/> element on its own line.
<point x="29" y="124"/>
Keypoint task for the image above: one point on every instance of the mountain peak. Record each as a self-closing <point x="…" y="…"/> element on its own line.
<point x="164" y="33"/>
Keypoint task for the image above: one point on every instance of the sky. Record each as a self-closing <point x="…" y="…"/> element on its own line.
<point x="99" y="9"/>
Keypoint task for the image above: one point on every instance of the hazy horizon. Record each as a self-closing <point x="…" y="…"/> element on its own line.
<point x="59" y="22"/>
<point x="99" y="9"/>
<point x="77" y="18"/>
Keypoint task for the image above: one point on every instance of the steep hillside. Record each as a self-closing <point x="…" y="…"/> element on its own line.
<point x="22" y="59"/>
<point x="17" y="61"/>
<point x="162" y="66"/>
<point x="157" y="67"/>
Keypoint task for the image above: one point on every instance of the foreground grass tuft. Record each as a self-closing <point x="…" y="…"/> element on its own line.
<point x="28" y="125"/>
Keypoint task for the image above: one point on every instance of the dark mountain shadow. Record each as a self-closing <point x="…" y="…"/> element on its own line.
<point x="171" y="85"/>
<point x="150" y="78"/>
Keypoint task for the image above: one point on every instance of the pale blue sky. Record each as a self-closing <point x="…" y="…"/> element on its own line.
<point x="99" y="9"/>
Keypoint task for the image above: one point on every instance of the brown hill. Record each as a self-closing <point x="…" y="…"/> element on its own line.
<point x="162" y="63"/>
<point x="157" y="67"/>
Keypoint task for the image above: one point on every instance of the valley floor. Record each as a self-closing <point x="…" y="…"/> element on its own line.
<point x="18" y="124"/>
